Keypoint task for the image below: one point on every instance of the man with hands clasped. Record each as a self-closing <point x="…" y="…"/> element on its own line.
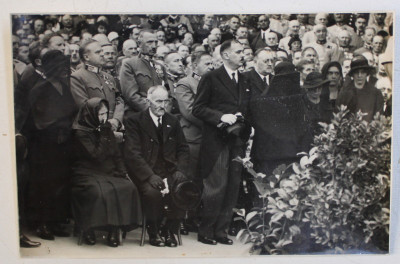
<point x="155" y="150"/>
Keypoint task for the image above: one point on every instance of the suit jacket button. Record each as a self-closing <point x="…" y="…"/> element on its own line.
<point x="151" y="140"/>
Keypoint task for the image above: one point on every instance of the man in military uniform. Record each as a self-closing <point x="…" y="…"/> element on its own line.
<point x="90" y="81"/>
<point x="138" y="73"/>
<point x="185" y="92"/>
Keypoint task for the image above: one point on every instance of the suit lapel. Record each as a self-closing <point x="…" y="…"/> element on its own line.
<point x="166" y="126"/>
<point x="258" y="82"/>
<point x="227" y="82"/>
<point x="149" y="126"/>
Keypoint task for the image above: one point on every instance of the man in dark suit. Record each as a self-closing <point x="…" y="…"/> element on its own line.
<point x="222" y="94"/>
<point x="258" y="40"/>
<point x="156" y="149"/>
<point x="233" y="24"/>
<point x="138" y="74"/>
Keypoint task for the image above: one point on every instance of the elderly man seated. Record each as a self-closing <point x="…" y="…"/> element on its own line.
<point x="156" y="153"/>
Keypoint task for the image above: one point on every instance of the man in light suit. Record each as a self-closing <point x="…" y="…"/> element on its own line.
<point x="222" y="94"/>
<point x="156" y="149"/>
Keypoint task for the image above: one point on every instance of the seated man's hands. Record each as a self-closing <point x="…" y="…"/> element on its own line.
<point x="156" y="182"/>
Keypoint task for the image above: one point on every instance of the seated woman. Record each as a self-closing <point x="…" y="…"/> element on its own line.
<point x="102" y="195"/>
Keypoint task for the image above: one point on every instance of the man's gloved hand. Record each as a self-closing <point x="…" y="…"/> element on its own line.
<point x="156" y="182"/>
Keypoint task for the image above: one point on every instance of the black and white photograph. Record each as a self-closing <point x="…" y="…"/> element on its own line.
<point x="207" y="135"/>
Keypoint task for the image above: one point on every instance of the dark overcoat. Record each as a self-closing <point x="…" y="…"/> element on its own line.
<point x="217" y="95"/>
<point x="142" y="145"/>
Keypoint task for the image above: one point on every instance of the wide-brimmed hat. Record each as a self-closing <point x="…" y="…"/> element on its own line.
<point x="359" y="62"/>
<point x="314" y="80"/>
<point x="186" y="195"/>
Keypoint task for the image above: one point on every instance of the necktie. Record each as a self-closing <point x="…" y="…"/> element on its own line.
<point x="263" y="36"/>
<point x="159" y="125"/>
<point x="233" y="77"/>
<point x="265" y="80"/>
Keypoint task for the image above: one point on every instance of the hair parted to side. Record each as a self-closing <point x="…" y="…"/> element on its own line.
<point x="227" y="45"/>
<point x="83" y="48"/>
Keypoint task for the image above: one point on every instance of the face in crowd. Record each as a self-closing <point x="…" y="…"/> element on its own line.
<point x="110" y="56"/>
<point x="263" y="22"/>
<point x="307" y="69"/>
<point x="360" y="78"/>
<point x="183" y="50"/>
<point x="213" y="41"/>
<point x="94" y="54"/>
<point x="310" y="55"/>
<point x="360" y="24"/>
<point x="271" y="39"/>
<point x="265" y="62"/>
<point x="320" y="32"/>
<point x="234" y="24"/>
<point x="333" y="76"/>
<point x="234" y="55"/>
<point x="174" y="63"/>
<point x="377" y="44"/>
<point x="103" y="113"/>
<point x="148" y="44"/>
<point x="158" y="101"/>
<point x="203" y="65"/>
<point x="57" y="43"/>
<point x="129" y="48"/>
<point x="74" y="51"/>
<point x="385" y="86"/>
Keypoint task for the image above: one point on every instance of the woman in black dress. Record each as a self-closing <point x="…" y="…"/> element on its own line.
<point x="102" y="193"/>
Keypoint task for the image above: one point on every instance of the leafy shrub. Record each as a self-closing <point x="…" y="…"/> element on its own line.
<point x="335" y="198"/>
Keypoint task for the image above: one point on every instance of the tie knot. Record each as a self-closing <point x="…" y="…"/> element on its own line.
<point x="233" y="77"/>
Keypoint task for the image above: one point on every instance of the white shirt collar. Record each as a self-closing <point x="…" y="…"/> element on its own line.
<point x="155" y="118"/>
<point x="262" y="76"/>
<point x="229" y="71"/>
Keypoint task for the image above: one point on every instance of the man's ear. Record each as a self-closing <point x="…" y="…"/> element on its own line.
<point x="38" y="62"/>
<point x="225" y="55"/>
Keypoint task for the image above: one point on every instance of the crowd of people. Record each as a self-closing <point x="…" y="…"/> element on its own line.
<point x="116" y="114"/>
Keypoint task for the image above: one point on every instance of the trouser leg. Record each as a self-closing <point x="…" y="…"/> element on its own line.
<point x="214" y="189"/>
<point x="231" y="194"/>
